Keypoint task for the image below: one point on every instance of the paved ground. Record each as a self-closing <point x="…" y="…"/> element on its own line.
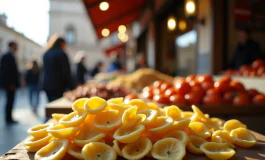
<point x="10" y="135"/>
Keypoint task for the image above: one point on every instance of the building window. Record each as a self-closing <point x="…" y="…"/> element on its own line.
<point x="70" y="34"/>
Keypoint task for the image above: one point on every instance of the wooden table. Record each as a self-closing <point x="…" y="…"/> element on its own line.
<point x="61" y="105"/>
<point x="256" y="153"/>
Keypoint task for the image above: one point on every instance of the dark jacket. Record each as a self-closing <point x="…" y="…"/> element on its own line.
<point x="245" y="54"/>
<point x="32" y="77"/>
<point x="80" y="73"/>
<point x="8" y="71"/>
<point x="95" y="71"/>
<point x="56" y="71"/>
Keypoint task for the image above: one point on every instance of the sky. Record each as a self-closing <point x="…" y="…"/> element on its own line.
<point x="30" y="17"/>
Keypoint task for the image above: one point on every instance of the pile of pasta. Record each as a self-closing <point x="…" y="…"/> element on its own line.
<point x="134" y="129"/>
<point x="140" y="79"/>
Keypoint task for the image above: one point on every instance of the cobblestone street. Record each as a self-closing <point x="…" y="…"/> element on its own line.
<point x="11" y="135"/>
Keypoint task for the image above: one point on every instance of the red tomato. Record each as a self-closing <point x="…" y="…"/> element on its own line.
<point x="192" y="98"/>
<point x="169" y="92"/>
<point x="148" y="89"/>
<point x="228" y="72"/>
<point x="241" y="99"/>
<point x="165" y="86"/>
<point x="148" y="95"/>
<point x="183" y="88"/>
<point x="198" y="90"/>
<point x="228" y="97"/>
<point x="225" y="79"/>
<point x="261" y="70"/>
<point x="252" y="74"/>
<point x="204" y="77"/>
<point x="195" y="84"/>
<point x="177" y="100"/>
<point x="222" y="86"/>
<point x="180" y="80"/>
<point x="207" y="85"/>
<point x="258" y="63"/>
<point x="259" y="99"/>
<point x="245" y="73"/>
<point x="156" y="91"/>
<point x="237" y="86"/>
<point x="244" y="68"/>
<point x="190" y="78"/>
<point x="212" y="92"/>
<point x="157" y="84"/>
<point x="130" y="97"/>
<point x="252" y="92"/>
<point x="161" y="99"/>
<point x="212" y="99"/>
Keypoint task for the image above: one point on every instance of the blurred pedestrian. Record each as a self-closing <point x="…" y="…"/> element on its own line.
<point x="141" y="62"/>
<point x="247" y="50"/>
<point x="32" y="81"/>
<point x="97" y="69"/>
<point x="9" y="79"/>
<point x="80" y="68"/>
<point x="116" y="64"/>
<point x="56" y="69"/>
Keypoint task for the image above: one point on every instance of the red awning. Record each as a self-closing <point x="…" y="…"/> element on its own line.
<point x="120" y="12"/>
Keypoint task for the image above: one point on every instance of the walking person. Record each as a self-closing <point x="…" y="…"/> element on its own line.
<point x="115" y="64"/>
<point x="56" y="69"/>
<point x="80" y="68"/>
<point x="32" y="80"/>
<point x="9" y="79"/>
<point x="97" y="69"/>
<point x="247" y="50"/>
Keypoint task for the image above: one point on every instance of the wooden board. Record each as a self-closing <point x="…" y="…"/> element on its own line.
<point x="61" y="105"/>
<point x="256" y="153"/>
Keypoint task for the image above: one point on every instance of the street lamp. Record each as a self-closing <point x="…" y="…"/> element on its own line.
<point x="171" y="23"/>
<point x="104" y="6"/>
<point x="105" y="32"/>
<point x="182" y="25"/>
<point x="190" y="8"/>
<point x="191" y="11"/>
<point x="122" y="29"/>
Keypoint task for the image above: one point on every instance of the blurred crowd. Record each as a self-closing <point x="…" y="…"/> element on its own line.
<point x="54" y="77"/>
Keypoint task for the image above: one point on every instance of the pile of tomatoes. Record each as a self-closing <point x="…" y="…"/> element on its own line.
<point x="201" y="89"/>
<point x="257" y="69"/>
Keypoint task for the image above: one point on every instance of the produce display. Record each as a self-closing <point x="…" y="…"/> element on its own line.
<point x="101" y="90"/>
<point x="100" y="129"/>
<point x="257" y="69"/>
<point x="107" y="76"/>
<point x="139" y="79"/>
<point x="202" y="89"/>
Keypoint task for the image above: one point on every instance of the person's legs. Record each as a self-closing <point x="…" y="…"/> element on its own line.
<point x="10" y="95"/>
<point x="52" y="95"/>
<point x="49" y="95"/>
<point x="37" y="96"/>
<point x="31" y="96"/>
